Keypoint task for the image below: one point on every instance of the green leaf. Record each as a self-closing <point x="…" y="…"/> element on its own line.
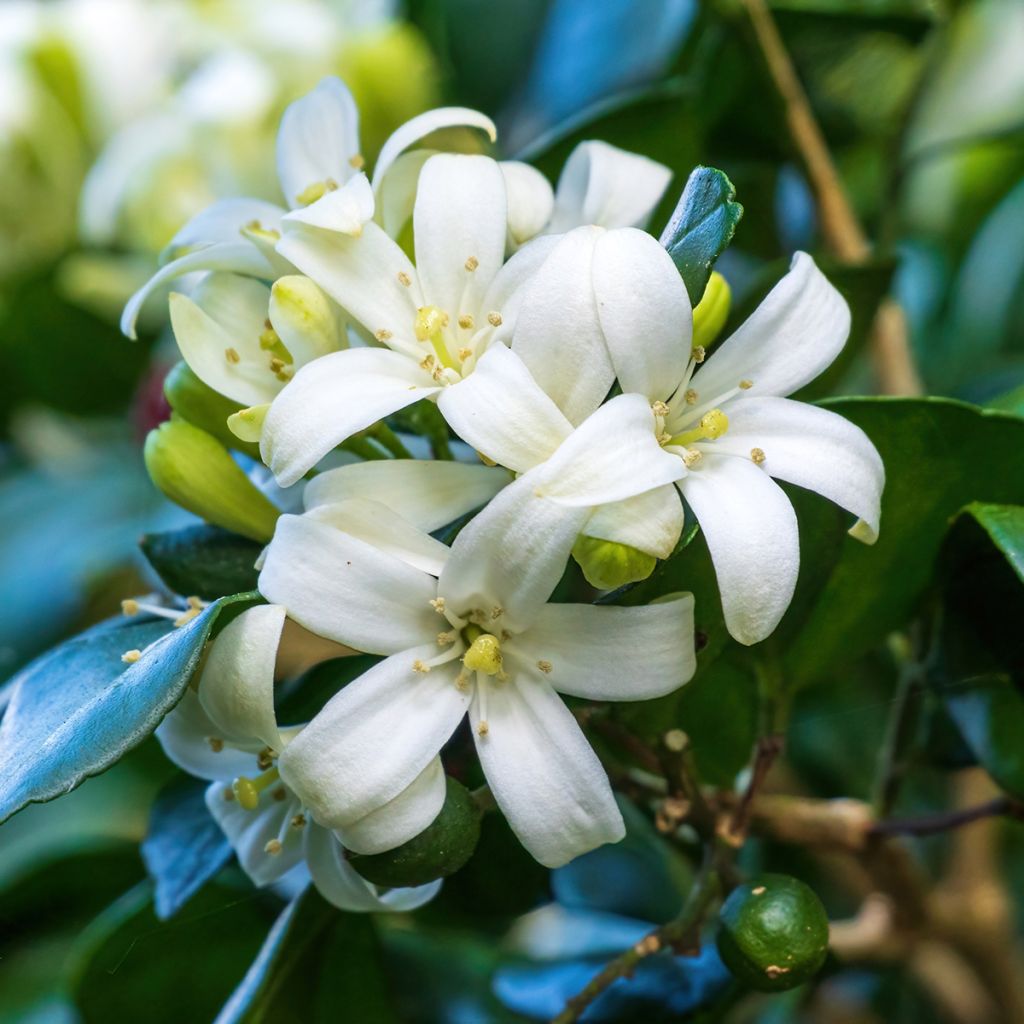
<point x="702" y="226"/>
<point x="203" y="560"/>
<point x="129" y="966"/>
<point x="313" y="962"/>
<point x="184" y="847"/>
<point x="78" y="709"/>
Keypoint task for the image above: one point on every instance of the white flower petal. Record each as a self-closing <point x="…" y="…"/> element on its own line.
<point x="426" y="493"/>
<point x="530" y="201"/>
<point x="558" y="331"/>
<point x="419" y="127"/>
<point x="813" y="448"/>
<point x="644" y="311"/>
<point x="383" y="528"/>
<point x="345" y="589"/>
<point x="542" y="772"/>
<point x="317" y="139"/>
<point x="396" y="194"/>
<point x="651" y="522"/>
<point x="408" y="814"/>
<point x="222" y="221"/>
<point x="611" y="456"/>
<point x="332" y="398"/>
<point x="751" y="530"/>
<point x="459" y="223"/>
<point x="345" y="209"/>
<point x="605" y="185"/>
<point x="305" y="319"/>
<point x="507" y="291"/>
<point x="236" y="686"/>
<point x="218" y="331"/>
<point x="363" y="275"/>
<point x="185" y="735"/>
<point x="796" y="332"/>
<point x="250" y="831"/>
<point x="341" y="885"/>
<point x="511" y="555"/>
<point x="611" y="653"/>
<point x="374" y="738"/>
<point x="502" y="412"/>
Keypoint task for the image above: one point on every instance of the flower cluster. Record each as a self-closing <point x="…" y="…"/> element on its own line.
<point x="556" y="338"/>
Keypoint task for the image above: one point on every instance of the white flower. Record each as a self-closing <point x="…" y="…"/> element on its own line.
<point x="319" y="168"/>
<point x="729" y="425"/>
<point x="226" y="731"/>
<point x="468" y="631"/>
<point x="599" y="185"/>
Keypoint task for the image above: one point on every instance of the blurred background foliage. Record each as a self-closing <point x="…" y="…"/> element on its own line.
<point x="121" y="118"/>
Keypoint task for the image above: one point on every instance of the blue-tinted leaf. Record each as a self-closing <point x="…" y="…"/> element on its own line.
<point x="702" y="226"/>
<point x="184" y="847"/>
<point x="78" y="709"/>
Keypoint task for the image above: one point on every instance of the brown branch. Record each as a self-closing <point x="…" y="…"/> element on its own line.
<point x="945" y="821"/>
<point x="769" y="747"/>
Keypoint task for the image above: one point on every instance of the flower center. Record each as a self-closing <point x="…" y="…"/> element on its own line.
<point x="484" y="652"/>
<point x="712" y="425"/>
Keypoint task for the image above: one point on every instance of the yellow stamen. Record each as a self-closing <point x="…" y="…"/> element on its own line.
<point x="466" y="322"/>
<point x="132" y="656"/>
<point x="746" y="385"/>
<point x="248" y="790"/>
<point x="494" y="318"/>
<point x="544" y="666"/>
<point x="232" y="356"/>
<point x="472" y="263"/>
<point x="404" y="279"/>
<point x="129" y="606"/>
<point x="383" y="334"/>
<point x="758" y="455"/>
<point x="430" y="321"/>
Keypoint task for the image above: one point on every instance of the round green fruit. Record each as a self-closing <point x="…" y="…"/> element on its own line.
<point x="773" y="933"/>
<point x="439" y="850"/>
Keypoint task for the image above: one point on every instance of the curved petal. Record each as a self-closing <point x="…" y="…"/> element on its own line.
<point x="428" y="494"/>
<point x="332" y="398"/>
<point x="383" y="528"/>
<point x="796" y="332"/>
<point x="185" y="735"/>
<point x="222" y="221"/>
<point x="751" y="530"/>
<point x="605" y="185"/>
<point x="651" y="522"/>
<point x="317" y="139"/>
<point x="345" y="209"/>
<point x="408" y="814"/>
<point x="396" y="195"/>
<point x="542" y="772"/>
<point x="419" y="127"/>
<point x="510" y="556"/>
<point x="644" y="311"/>
<point x="612" y="455"/>
<point x="558" y="331"/>
<point x="218" y="332"/>
<point x="813" y="448"/>
<point x="236" y="687"/>
<point x="611" y="653"/>
<point x="249" y="832"/>
<point x="459" y="223"/>
<point x="345" y="589"/>
<point x="304" y="318"/>
<point x="502" y="412"/>
<point x="363" y="275"/>
<point x="530" y="201"/>
<point x="507" y="291"/>
<point x="374" y="738"/>
<point x="341" y="885"/>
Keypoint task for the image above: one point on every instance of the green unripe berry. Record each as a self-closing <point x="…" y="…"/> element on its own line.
<point x="773" y="933"/>
<point x="439" y="850"/>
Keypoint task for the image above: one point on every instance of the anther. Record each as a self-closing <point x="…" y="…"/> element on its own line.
<point x="497" y="611"/>
<point x="382" y="335"/>
<point x="746" y="385"/>
<point x="276" y="365"/>
<point x="132" y="656"/>
<point x="129" y="606"/>
<point x="692" y="457"/>
<point x="659" y="409"/>
<point x="264" y="759"/>
<point x="483" y="728"/>
<point x="357" y="161"/>
<point x="232" y="356"/>
<point x="464" y="354"/>
<point x="298" y="821"/>
<point x="690" y="395"/>
<point x="471" y="264"/>
<point x="698" y="353"/>
<point x="443" y="639"/>
<point x="494" y="318"/>
<point x="466" y="322"/>
<point x="404" y="279"/>
<point x="420" y="666"/>
<point x="437" y="603"/>
<point x="758" y="455"/>
<point x="216" y="743"/>
<point x="273" y="847"/>
<point x="545" y="666"/>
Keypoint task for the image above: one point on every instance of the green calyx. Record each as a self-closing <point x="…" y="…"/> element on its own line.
<point x="207" y="409"/>
<point x="438" y="851"/>
<point x="196" y="471"/>
<point x="607" y="564"/>
<point x="773" y="933"/>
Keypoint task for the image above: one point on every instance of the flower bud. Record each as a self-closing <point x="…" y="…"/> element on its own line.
<point x="207" y="409"/>
<point x="195" y="471"/>
<point x="607" y="564"/>
<point x="773" y="933"/>
<point x="712" y="311"/>
<point x="439" y="850"/>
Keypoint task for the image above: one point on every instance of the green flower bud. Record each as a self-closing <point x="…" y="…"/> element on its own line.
<point x="712" y="311"/>
<point x="607" y="564"/>
<point x="195" y="471"/>
<point x="207" y="409"/>
<point x="773" y="933"/>
<point x="439" y="850"/>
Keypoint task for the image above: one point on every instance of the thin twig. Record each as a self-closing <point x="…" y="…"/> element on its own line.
<point x="945" y="821"/>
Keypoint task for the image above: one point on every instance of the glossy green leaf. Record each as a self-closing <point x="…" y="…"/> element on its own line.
<point x="184" y="847"/>
<point x="79" y="708"/>
<point x="316" y="966"/>
<point x="702" y="226"/>
<point x="205" y="561"/>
